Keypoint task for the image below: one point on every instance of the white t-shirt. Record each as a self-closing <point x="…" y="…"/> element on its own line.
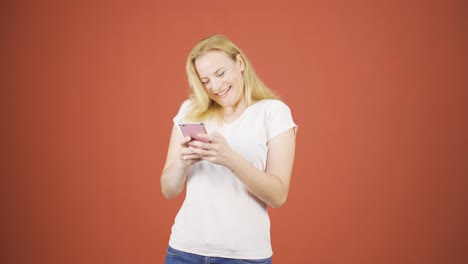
<point x="219" y="217"/>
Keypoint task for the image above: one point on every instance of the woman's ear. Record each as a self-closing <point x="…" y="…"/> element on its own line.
<point x="240" y="62"/>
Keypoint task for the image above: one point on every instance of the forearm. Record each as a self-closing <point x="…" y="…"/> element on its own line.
<point x="267" y="187"/>
<point x="173" y="179"/>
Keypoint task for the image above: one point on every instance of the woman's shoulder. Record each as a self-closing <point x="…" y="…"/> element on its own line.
<point x="271" y="104"/>
<point x="183" y="108"/>
<point x="185" y="104"/>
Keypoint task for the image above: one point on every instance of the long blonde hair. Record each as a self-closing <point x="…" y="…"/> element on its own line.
<point x="201" y="106"/>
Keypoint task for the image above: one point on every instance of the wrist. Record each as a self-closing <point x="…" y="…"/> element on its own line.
<point x="182" y="165"/>
<point x="233" y="161"/>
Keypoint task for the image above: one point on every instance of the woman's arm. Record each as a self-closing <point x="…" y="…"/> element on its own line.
<point x="271" y="186"/>
<point x="178" y="160"/>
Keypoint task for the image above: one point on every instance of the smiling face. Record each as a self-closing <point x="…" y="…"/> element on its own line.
<point x="222" y="77"/>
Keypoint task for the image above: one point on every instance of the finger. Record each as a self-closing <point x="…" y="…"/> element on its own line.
<point x="209" y="158"/>
<point x="185" y="141"/>
<point x="194" y="149"/>
<point x="205" y="137"/>
<point x="198" y="151"/>
<point x="198" y="144"/>
<point x="191" y="157"/>
<point x="217" y="135"/>
<point x="203" y="152"/>
<point x="185" y="151"/>
<point x="188" y="151"/>
<point x="210" y="153"/>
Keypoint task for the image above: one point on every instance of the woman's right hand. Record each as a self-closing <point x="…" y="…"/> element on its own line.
<point x="186" y="155"/>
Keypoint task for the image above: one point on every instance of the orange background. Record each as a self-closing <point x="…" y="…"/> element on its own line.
<point x="377" y="88"/>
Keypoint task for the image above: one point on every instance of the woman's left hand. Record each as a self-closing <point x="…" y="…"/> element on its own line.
<point x="217" y="151"/>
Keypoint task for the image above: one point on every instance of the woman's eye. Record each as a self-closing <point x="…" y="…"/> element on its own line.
<point x="221" y="74"/>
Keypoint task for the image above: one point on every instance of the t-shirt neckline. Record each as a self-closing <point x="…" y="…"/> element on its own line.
<point x="239" y="117"/>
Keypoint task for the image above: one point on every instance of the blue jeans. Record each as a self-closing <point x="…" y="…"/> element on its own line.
<point x="175" y="256"/>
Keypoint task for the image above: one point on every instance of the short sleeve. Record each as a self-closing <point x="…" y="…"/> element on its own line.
<point x="182" y="111"/>
<point x="279" y="119"/>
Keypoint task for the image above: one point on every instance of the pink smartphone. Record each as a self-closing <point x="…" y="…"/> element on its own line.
<point x="192" y="130"/>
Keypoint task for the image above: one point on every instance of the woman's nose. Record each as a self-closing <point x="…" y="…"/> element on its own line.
<point x="215" y="85"/>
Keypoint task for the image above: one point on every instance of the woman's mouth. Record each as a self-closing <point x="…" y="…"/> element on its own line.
<point x="224" y="93"/>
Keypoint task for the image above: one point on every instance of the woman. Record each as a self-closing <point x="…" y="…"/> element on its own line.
<point x="244" y="166"/>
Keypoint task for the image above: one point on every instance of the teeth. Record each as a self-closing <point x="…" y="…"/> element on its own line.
<point x="224" y="92"/>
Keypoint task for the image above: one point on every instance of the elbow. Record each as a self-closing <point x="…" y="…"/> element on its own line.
<point x="168" y="193"/>
<point x="277" y="204"/>
<point x="280" y="201"/>
<point x="280" y="197"/>
<point x="167" y="189"/>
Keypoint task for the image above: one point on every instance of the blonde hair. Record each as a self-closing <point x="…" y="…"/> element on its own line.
<point x="201" y="106"/>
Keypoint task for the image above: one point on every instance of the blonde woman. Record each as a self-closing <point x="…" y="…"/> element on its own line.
<point x="235" y="170"/>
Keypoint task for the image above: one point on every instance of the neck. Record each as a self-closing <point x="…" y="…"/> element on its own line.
<point x="235" y="109"/>
<point x="231" y="113"/>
